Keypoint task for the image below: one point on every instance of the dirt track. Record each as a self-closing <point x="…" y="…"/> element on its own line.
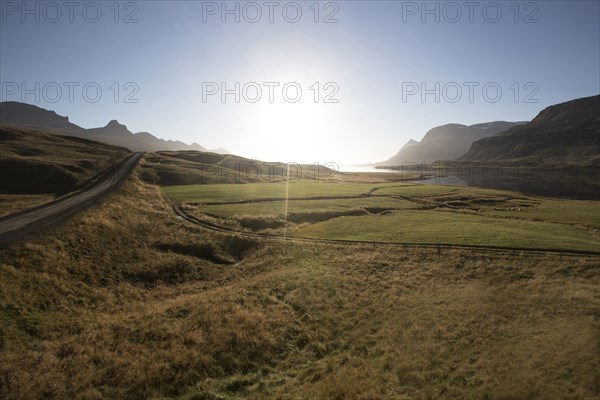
<point x="15" y="226"/>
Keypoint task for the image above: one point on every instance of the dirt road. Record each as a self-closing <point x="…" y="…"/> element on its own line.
<point x="13" y="227"/>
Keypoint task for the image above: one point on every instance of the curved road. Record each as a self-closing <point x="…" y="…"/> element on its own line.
<point x="13" y="227"/>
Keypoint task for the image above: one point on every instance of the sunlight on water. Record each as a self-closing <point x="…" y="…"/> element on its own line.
<point x="362" y="168"/>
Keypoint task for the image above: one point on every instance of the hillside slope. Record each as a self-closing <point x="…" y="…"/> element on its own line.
<point x="565" y="134"/>
<point x="36" y="161"/>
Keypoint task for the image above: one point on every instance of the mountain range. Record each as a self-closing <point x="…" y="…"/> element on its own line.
<point x="114" y="133"/>
<point x="446" y="142"/>
<point x="566" y="134"/>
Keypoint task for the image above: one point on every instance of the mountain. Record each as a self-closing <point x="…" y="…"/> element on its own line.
<point x="560" y="135"/>
<point x="446" y="142"/>
<point x="28" y="115"/>
<point x="114" y="133"/>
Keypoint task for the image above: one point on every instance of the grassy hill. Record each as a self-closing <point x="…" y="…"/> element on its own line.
<point x="193" y="167"/>
<point x="36" y="165"/>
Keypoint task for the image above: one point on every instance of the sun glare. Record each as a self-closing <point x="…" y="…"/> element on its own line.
<point x="293" y="131"/>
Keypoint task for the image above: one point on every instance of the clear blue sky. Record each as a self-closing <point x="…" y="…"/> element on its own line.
<point x="374" y="54"/>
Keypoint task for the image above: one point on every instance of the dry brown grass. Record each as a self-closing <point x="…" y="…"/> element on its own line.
<point x="12" y="203"/>
<point x="37" y="161"/>
<point x="125" y="301"/>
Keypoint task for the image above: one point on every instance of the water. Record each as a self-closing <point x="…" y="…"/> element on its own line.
<point x="564" y="183"/>
<point x="363" y="168"/>
<point x="569" y="184"/>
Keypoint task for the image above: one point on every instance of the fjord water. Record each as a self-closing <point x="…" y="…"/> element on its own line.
<point x="581" y="184"/>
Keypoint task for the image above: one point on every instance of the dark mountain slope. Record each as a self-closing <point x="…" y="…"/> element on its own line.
<point x="566" y="134"/>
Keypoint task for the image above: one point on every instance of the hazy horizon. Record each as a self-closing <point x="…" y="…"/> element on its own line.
<point x="170" y="57"/>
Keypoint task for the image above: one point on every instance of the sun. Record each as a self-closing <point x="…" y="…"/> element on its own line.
<point x="291" y="132"/>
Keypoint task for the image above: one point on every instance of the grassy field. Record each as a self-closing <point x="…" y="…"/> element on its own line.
<point x="415" y="190"/>
<point x="125" y="301"/>
<point x="563" y="211"/>
<point x="279" y="208"/>
<point x="457" y="228"/>
<point x="277" y="190"/>
<point x="393" y="212"/>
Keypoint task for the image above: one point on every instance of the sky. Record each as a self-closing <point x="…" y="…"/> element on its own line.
<point x="315" y="82"/>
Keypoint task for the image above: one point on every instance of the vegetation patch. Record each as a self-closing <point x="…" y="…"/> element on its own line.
<point x="200" y="250"/>
<point x="301" y="218"/>
<point x="170" y="273"/>
<point x="259" y="223"/>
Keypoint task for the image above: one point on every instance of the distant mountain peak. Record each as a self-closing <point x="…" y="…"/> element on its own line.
<point x="114" y="124"/>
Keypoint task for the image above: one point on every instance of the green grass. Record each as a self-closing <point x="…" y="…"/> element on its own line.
<point x="278" y="208"/>
<point x="449" y="227"/>
<point x="555" y="210"/>
<point x="253" y="191"/>
<point x="530" y="222"/>
<point x="416" y="190"/>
